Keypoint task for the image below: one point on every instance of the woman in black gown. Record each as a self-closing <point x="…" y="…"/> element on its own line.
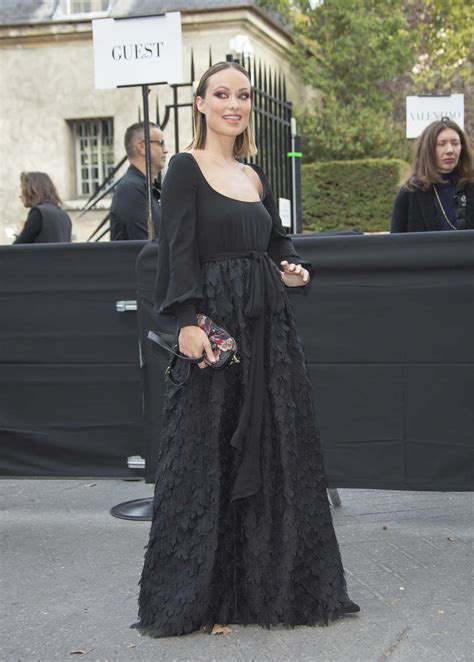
<point x="242" y="531"/>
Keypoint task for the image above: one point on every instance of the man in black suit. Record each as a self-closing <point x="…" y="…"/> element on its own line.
<point x="128" y="213"/>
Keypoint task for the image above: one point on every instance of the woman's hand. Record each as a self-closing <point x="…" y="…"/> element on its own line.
<point x="294" y="275"/>
<point x="193" y="342"/>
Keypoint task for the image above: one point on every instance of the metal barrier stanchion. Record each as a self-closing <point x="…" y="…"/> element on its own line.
<point x="137" y="509"/>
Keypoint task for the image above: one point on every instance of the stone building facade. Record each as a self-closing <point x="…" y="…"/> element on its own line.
<point x="52" y="118"/>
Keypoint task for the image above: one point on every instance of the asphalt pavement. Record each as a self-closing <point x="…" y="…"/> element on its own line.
<point x="69" y="573"/>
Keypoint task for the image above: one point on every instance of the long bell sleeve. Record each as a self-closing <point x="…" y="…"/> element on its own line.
<point x="178" y="289"/>
<point x="280" y="246"/>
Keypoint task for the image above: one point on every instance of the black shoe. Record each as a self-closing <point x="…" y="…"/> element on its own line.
<point x="349" y="607"/>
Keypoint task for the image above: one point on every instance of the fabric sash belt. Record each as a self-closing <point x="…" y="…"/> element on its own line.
<point x="264" y="288"/>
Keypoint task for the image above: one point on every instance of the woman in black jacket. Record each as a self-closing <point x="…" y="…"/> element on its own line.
<point x="46" y="222"/>
<point x="438" y="192"/>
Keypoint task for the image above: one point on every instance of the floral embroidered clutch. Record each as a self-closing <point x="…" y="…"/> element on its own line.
<point x="222" y="343"/>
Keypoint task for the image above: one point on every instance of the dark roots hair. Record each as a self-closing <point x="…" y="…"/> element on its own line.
<point x="244" y="145"/>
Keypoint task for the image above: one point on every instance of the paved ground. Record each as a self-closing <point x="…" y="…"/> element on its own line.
<point x="70" y="572"/>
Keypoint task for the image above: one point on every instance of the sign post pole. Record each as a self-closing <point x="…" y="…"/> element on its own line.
<point x="138" y="51"/>
<point x="149" y="183"/>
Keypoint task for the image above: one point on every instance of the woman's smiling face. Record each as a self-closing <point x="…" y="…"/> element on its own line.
<point x="227" y="103"/>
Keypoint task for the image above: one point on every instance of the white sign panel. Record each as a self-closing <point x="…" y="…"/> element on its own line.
<point x="137" y="51"/>
<point x="284" y="208"/>
<point x="421" y="111"/>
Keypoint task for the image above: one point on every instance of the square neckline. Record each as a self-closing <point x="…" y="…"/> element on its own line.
<point x="227" y="197"/>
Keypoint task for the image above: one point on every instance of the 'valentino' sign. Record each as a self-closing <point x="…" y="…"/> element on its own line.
<point x="137" y="51"/>
<point x="421" y="111"/>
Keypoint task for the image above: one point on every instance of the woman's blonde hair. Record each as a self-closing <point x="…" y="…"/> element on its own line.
<point x="423" y="172"/>
<point x="244" y="145"/>
<point x="37" y="188"/>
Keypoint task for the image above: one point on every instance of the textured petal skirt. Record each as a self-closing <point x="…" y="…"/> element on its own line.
<point x="268" y="559"/>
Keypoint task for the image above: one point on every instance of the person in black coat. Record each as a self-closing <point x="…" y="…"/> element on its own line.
<point x="46" y="222"/>
<point x="129" y="210"/>
<point x="438" y="192"/>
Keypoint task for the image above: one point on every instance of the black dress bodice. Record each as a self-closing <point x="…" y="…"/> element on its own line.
<point x="225" y="225"/>
<point x="199" y="224"/>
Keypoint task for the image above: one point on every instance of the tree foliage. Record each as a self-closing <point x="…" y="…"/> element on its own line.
<point x="364" y="57"/>
<point x="444" y="61"/>
<point x="350" y="131"/>
<point x="350" y="49"/>
<point x="444" y="30"/>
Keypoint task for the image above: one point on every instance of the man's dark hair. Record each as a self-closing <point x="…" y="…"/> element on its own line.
<point x="134" y="133"/>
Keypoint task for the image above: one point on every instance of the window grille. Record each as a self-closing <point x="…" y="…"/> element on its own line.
<point x="71" y="7"/>
<point x="93" y="152"/>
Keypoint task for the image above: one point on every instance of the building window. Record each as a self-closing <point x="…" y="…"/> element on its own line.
<point x="81" y="7"/>
<point x="93" y="153"/>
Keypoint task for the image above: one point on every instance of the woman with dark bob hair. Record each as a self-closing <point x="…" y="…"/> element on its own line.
<point x="46" y="221"/>
<point x="242" y="531"/>
<point x="438" y="192"/>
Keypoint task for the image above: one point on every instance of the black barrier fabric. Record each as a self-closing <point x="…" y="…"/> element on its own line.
<point x="58" y="303"/>
<point x="69" y="362"/>
<point x="387" y="325"/>
<point x="388" y="328"/>
<point x="154" y="359"/>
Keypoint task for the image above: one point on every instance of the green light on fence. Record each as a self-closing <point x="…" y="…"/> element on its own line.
<point x="296" y="155"/>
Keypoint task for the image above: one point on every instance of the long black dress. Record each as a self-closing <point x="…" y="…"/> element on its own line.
<point x="242" y="531"/>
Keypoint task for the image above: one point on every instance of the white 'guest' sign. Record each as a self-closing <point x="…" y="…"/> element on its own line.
<point x="137" y="51"/>
<point x="421" y="111"/>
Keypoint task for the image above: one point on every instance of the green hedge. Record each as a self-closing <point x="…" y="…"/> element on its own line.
<point x="344" y="195"/>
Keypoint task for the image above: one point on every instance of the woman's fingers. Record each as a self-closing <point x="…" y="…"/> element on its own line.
<point x="295" y="270"/>
<point x="209" y="355"/>
<point x="208" y="352"/>
<point x="291" y="268"/>
<point x="192" y="341"/>
<point x="288" y="268"/>
<point x="297" y="274"/>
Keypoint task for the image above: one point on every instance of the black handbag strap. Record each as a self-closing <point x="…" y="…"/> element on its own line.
<point x="170" y="372"/>
<point x="156" y="338"/>
<point x="189" y="361"/>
